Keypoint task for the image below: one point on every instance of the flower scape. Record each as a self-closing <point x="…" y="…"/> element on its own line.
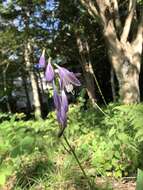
<point x="66" y="81"/>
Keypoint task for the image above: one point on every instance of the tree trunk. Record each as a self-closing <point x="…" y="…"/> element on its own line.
<point x="125" y="58"/>
<point x="124" y="53"/>
<point x="29" y="66"/>
<point x="5" y="90"/>
<point x="27" y="94"/>
<point x="126" y="65"/>
<point x="87" y="69"/>
<point x="89" y="80"/>
<point x="112" y="80"/>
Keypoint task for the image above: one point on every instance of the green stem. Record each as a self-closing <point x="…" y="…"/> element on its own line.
<point x="96" y="105"/>
<point x="98" y="86"/>
<point x="76" y="158"/>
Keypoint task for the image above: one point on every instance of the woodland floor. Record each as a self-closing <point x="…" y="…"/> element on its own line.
<point x="124" y="184"/>
<point x="102" y="184"/>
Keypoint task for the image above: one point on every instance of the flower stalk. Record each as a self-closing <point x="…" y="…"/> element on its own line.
<point x="77" y="160"/>
<point x="67" y="80"/>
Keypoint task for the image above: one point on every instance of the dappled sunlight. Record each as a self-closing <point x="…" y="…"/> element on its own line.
<point x="71" y="112"/>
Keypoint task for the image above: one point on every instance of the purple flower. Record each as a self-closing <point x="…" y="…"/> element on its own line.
<point x="67" y="79"/>
<point x="57" y="98"/>
<point x="62" y="117"/>
<point x="62" y="113"/>
<point x="61" y="105"/>
<point x="49" y="74"/>
<point x="64" y="101"/>
<point x="42" y="62"/>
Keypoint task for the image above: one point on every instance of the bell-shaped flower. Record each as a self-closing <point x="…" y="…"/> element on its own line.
<point x="61" y="105"/>
<point x="67" y="79"/>
<point x="62" y="113"/>
<point x="56" y="97"/>
<point x="49" y="74"/>
<point x="62" y="117"/>
<point x="42" y="61"/>
<point x="64" y="101"/>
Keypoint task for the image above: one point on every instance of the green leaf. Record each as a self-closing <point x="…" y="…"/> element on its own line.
<point x="5" y="171"/>
<point x="118" y="174"/>
<point x="15" y="152"/>
<point x="2" y="179"/>
<point x="139" y="185"/>
<point x="123" y="137"/>
<point x="112" y="132"/>
<point x="27" y="142"/>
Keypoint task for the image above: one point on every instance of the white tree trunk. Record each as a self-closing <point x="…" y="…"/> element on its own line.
<point x="29" y="66"/>
<point x="126" y="65"/>
<point x="124" y="55"/>
<point x="87" y="68"/>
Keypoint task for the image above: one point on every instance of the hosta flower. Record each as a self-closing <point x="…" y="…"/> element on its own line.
<point x="61" y="105"/>
<point x="64" y="101"/>
<point x="62" y="118"/>
<point x="68" y="79"/>
<point x="49" y="74"/>
<point x="57" y="98"/>
<point x="42" y="62"/>
<point x="62" y="113"/>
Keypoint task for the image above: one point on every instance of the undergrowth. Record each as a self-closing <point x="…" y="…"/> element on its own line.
<point x="32" y="156"/>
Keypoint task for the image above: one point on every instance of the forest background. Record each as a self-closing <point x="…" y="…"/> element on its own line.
<point x="101" y="42"/>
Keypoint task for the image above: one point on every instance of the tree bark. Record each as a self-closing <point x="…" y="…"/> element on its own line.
<point x="27" y="94"/>
<point x="127" y="69"/>
<point x="112" y="80"/>
<point x="5" y="89"/>
<point x="29" y="66"/>
<point x="87" y="68"/>
<point x="124" y="55"/>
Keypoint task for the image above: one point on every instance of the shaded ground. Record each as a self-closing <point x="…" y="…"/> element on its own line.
<point x="124" y="184"/>
<point x="102" y="184"/>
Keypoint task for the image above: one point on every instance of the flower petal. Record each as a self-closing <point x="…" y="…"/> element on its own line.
<point x="67" y="77"/>
<point x="62" y="117"/>
<point x="61" y="104"/>
<point x="73" y="79"/>
<point x="42" y="62"/>
<point x="64" y="101"/>
<point x="49" y="74"/>
<point x="57" y="100"/>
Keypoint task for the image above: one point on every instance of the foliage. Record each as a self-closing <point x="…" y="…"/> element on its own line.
<point x="139" y="185"/>
<point x="19" y="138"/>
<point x="111" y="144"/>
<point x="106" y="145"/>
<point x="31" y="154"/>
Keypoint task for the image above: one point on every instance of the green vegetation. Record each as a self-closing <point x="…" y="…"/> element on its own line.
<point x="71" y="75"/>
<point x="33" y="155"/>
<point x="139" y="180"/>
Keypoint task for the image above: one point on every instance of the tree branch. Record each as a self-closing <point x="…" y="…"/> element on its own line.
<point x="116" y="15"/>
<point x="138" y="41"/>
<point x="106" y="16"/>
<point x="128" y="21"/>
<point x="90" y="6"/>
<point x="103" y="9"/>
